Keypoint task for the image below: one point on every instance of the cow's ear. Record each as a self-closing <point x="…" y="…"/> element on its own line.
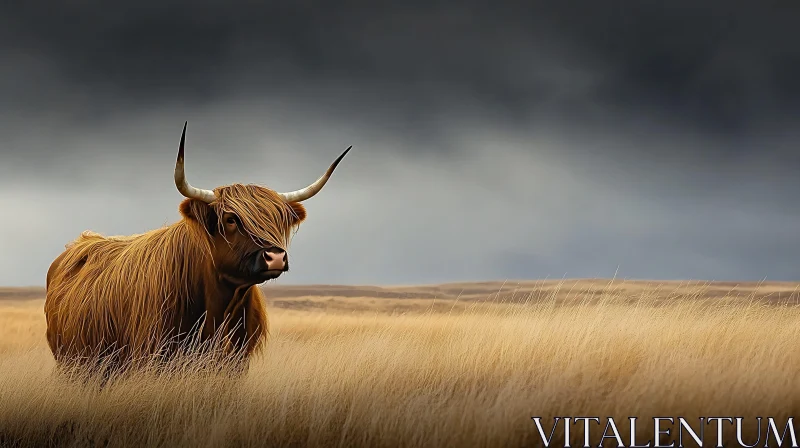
<point x="199" y="211"/>
<point x="298" y="212"/>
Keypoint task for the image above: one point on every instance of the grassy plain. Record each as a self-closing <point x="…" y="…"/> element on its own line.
<point x="444" y="365"/>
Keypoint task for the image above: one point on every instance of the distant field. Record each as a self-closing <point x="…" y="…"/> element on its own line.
<point x="443" y="365"/>
<point x="444" y="296"/>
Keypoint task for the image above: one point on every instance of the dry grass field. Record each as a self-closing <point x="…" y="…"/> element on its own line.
<point x="436" y="366"/>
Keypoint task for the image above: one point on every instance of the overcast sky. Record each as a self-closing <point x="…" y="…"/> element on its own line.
<point x="490" y="141"/>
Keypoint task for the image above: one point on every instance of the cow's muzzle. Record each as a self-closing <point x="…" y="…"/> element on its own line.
<point x="272" y="259"/>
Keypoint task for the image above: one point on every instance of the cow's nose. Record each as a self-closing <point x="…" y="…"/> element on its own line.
<point x="275" y="258"/>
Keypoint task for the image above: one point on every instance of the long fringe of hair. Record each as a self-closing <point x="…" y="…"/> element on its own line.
<point x="264" y="215"/>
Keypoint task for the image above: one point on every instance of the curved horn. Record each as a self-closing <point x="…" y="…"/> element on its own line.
<point x="187" y="190"/>
<point x="311" y="190"/>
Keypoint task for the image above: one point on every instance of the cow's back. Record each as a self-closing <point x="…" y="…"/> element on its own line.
<point x="73" y="306"/>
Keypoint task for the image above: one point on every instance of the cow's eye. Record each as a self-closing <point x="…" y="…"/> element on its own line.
<point x="231" y="221"/>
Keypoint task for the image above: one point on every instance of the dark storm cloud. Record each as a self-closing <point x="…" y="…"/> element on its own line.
<point x="559" y="137"/>
<point x="726" y="66"/>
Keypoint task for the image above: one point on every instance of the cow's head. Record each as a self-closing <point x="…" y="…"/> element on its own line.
<point x="248" y="226"/>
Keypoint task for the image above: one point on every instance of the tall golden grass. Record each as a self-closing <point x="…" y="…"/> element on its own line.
<point x="460" y="375"/>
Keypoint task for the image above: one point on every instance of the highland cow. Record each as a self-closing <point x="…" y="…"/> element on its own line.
<point x="133" y="298"/>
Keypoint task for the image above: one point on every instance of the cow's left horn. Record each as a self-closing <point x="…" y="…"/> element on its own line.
<point x="311" y="190"/>
<point x="187" y="190"/>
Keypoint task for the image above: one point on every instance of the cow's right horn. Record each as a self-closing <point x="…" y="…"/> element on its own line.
<point x="187" y="190"/>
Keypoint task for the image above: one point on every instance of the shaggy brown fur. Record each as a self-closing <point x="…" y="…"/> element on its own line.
<point x="140" y="295"/>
